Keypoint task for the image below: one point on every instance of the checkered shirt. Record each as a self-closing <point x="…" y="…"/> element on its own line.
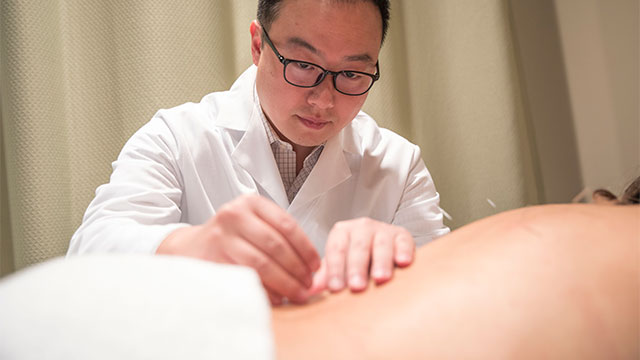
<point x="286" y="161"/>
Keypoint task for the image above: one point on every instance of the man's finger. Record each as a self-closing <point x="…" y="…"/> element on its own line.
<point x="286" y="225"/>
<point x="319" y="280"/>
<point x="336" y="257"/>
<point x="404" y="249"/>
<point x="275" y="299"/>
<point x="271" y="242"/>
<point x="359" y="255"/>
<point x="382" y="257"/>
<point x="272" y="275"/>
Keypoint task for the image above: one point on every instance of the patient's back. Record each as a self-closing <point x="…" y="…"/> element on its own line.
<point x="554" y="281"/>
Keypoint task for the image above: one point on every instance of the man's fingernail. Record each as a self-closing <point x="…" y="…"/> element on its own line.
<point x="379" y="274"/>
<point x="336" y="284"/>
<point x="403" y="258"/>
<point x="356" y="282"/>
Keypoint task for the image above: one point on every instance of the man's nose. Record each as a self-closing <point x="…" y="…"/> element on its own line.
<point x="322" y="95"/>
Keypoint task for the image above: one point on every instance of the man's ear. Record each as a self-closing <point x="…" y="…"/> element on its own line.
<point x="256" y="41"/>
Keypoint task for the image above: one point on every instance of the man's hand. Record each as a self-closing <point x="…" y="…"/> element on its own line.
<point x="358" y="248"/>
<point x="253" y="231"/>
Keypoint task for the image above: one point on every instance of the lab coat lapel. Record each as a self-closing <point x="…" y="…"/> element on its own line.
<point x="254" y="154"/>
<point x="330" y="170"/>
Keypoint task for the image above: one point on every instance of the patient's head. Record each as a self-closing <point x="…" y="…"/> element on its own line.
<point x="631" y="196"/>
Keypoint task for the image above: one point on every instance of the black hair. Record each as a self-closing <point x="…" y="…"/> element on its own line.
<point x="631" y="195"/>
<point x="268" y="12"/>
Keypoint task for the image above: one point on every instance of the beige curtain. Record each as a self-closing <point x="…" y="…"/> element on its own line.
<point x="78" y="77"/>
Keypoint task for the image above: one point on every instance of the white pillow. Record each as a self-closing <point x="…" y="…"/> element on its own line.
<point x="134" y="307"/>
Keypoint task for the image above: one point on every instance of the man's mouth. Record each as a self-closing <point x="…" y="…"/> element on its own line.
<point x="313" y="123"/>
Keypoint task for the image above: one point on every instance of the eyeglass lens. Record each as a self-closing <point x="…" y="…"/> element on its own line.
<point x="306" y="74"/>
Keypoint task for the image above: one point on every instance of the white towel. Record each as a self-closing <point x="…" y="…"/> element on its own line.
<point x="134" y="307"/>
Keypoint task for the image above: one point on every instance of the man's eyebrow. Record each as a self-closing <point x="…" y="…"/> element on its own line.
<point x="302" y="43"/>
<point x="360" y="57"/>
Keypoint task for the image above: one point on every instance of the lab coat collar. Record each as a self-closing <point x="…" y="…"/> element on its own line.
<point x="254" y="153"/>
<point x="240" y="106"/>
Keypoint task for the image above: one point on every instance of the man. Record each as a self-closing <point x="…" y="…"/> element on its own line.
<point x="279" y="167"/>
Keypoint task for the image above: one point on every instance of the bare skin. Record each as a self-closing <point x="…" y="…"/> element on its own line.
<point x="555" y="282"/>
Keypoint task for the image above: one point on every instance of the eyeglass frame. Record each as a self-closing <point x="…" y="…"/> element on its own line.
<point x="285" y="61"/>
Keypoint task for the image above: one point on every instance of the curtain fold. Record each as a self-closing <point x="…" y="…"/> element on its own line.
<point x="462" y="89"/>
<point x="77" y="78"/>
<point x="35" y="129"/>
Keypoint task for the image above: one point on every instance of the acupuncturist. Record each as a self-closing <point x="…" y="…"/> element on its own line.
<point x="283" y="173"/>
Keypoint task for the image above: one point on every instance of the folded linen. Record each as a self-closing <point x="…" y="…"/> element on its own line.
<point x="134" y="307"/>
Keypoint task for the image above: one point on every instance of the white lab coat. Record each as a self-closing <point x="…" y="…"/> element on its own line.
<point x="188" y="161"/>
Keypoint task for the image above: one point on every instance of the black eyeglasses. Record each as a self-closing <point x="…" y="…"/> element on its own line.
<point x="305" y="74"/>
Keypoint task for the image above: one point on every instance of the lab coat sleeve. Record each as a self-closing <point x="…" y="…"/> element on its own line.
<point x="419" y="211"/>
<point x="140" y="205"/>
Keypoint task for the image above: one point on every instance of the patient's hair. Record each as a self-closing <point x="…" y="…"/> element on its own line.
<point x="631" y="195"/>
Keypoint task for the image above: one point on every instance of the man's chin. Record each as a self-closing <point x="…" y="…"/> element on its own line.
<point x="309" y="142"/>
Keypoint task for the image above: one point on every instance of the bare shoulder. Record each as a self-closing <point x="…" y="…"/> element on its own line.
<point x="545" y="231"/>
<point x="547" y="220"/>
